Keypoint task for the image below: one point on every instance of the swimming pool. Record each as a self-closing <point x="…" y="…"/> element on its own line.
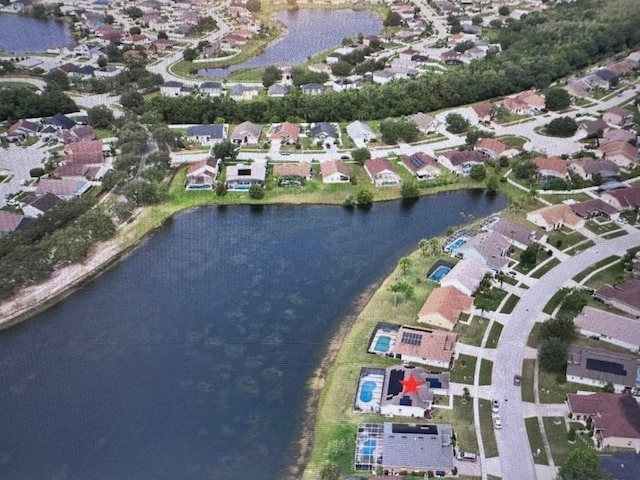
<point x="439" y="273"/>
<point x="382" y="344"/>
<point x="366" y="392"/>
<point x="368" y="447"/>
<point x="456" y="245"/>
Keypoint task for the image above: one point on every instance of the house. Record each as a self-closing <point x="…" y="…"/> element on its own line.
<point x="465" y="276"/>
<point x="578" y="88"/>
<point x="202" y="175"/>
<point x="535" y="101"/>
<point x="555" y="217"/>
<point x="277" y="90"/>
<point x="11" y="222"/>
<point x="490" y="249"/>
<point x="483" y="111"/>
<point x="383" y="76"/>
<point x="241" y="177"/>
<point x="335" y="171"/>
<point x="212" y="89"/>
<point x="461" y="162"/>
<point x="622" y="199"/>
<point x="286" y="132"/>
<point x="615" y="417"/>
<point x="360" y="133"/>
<point x="618" y="116"/>
<point x="22" y="129"/>
<point x="407" y="391"/>
<point x="292" y="174"/>
<point x="171" y="88"/>
<point x="382" y="173"/>
<point x="59" y="121"/>
<point x="444" y="307"/>
<point x="609" y="327"/>
<point x="428" y="347"/>
<point x="425" y="123"/>
<point x="84" y="152"/>
<point x="517" y="234"/>
<point x="620" y="152"/>
<point x="595" y="128"/>
<point x="246" y="133"/>
<point x="586" y="168"/>
<point x="550" y="168"/>
<point x="324" y="133"/>
<point x="78" y="133"/>
<point x="623" y="296"/>
<point x="333" y="58"/>
<point x="66" y="189"/>
<point x="421" y="165"/>
<point x="312" y="88"/>
<point x="417" y="447"/>
<point x="596" y="81"/>
<point x="596" y="367"/>
<point x="207" y="135"/>
<point x="492" y="148"/>
<point x="36" y="206"/>
<point x="592" y="208"/>
<point x="614" y="135"/>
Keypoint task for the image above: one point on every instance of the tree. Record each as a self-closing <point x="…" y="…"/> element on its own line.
<point x="132" y="100"/>
<point x="341" y="69"/>
<point x="225" y="151"/>
<point x="559" y="328"/>
<point x="478" y="172"/>
<point x="398" y="130"/>
<point x="557" y="99"/>
<point x="329" y="471"/>
<point x="456" y="123"/>
<point x="364" y="197"/>
<point x="134" y="30"/>
<point x="254" y="5"/>
<point x="504" y="11"/>
<point x="410" y="189"/>
<point x="493" y="183"/>
<point x="609" y="388"/>
<point x="401" y="287"/>
<point x="525" y="169"/>
<point x="424" y="247"/>
<point x="553" y="355"/>
<point x="360" y="155"/>
<point x="271" y="75"/>
<point x="404" y="263"/>
<point x="102" y="61"/>
<point x="36" y="172"/>
<point x="189" y="54"/>
<point x="221" y="189"/>
<point x="529" y="257"/>
<point x="162" y="35"/>
<point x="582" y="464"/>
<point x="393" y="19"/>
<point x="109" y="19"/>
<point x="100" y="117"/>
<point x="561" y="127"/>
<point x="141" y="192"/>
<point x="57" y="79"/>
<point x="477" y="20"/>
<point x="134" y="12"/>
<point x="256" y="192"/>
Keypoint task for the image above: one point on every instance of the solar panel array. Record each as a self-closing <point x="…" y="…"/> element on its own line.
<point x="614" y="368"/>
<point x="416" y="161"/>
<point x="410" y="338"/>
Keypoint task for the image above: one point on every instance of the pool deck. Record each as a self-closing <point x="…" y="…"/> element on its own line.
<point x="374" y="405"/>
<point x="384" y="331"/>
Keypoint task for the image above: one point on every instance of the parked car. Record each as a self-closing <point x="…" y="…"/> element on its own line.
<point x="345" y="157"/>
<point x="495" y="406"/>
<point x="467" y="456"/>
<point x="517" y="380"/>
<point x="497" y="422"/>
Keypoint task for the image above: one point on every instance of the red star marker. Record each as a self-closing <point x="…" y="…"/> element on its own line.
<point x="410" y="385"/>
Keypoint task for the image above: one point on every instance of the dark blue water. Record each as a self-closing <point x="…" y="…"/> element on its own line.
<point x="22" y="34"/>
<point x="189" y="359"/>
<point x="308" y="32"/>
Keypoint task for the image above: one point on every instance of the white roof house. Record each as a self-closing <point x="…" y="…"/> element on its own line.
<point x="466" y="275"/>
<point x="360" y="132"/>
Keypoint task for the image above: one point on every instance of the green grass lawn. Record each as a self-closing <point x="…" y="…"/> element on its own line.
<point x="494" y="335"/>
<point x="521" y="268"/>
<point x="510" y="304"/>
<point x="556" y="430"/>
<point x="579" y="248"/>
<point x="553" y="392"/>
<point x="562" y="240"/>
<point x="471" y="334"/>
<point x="617" y="233"/>
<point x="496" y="295"/>
<point x="539" y="272"/>
<point x="535" y="440"/>
<point x="486" y="429"/>
<point x="486" y="370"/>
<point x="600" y="228"/>
<point x="594" y="267"/>
<point x="461" y="417"/>
<point x="528" y="372"/>
<point x="611" y="275"/>
<point x="534" y="337"/>
<point x="464" y="369"/>
<point x="513" y="140"/>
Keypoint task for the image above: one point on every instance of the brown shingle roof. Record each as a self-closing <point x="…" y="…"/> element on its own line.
<point x="493" y="145"/>
<point x="292" y="170"/>
<point x="377" y="165"/>
<point x="626" y="292"/>
<point x="448" y="302"/>
<point x="334" y="166"/>
<point x="614" y="415"/>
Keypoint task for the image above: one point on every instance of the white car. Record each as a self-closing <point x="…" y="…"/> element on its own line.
<point x="497" y="423"/>
<point x="495" y="406"/>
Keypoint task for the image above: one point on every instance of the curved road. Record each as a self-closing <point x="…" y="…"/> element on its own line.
<point x="516" y="459"/>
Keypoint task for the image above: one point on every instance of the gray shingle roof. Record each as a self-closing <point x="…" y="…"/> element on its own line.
<point x="418" y="447"/>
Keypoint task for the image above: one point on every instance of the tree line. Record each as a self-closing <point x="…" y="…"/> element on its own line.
<point x="536" y="50"/>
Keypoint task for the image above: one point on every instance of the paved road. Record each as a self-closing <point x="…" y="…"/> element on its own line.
<point x="512" y="439"/>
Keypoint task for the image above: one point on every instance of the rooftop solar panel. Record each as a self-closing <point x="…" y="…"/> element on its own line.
<point x="410" y="338"/>
<point x="417" y="161"/>
<point x="606" y="367"/>
<point x="395" y="387"/>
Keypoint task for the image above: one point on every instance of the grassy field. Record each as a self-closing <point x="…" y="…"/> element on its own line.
<point x="510" y="304"/>
<point x="562" y="240"/>
<point x="601" y="228"/>
<point x="551" y="391"/>
<point x="486" y="370"/>
<point x="535" y="440"/>
<point x="611" y="275"/>
<point x="486" y="429"/>
<point x="534" y="337"/>
<point x="556" y="430"/>
<point x="594" y="267"/>
<point x="471" y="334"/>
<point x="464" y="369"/>
<point x="528" y="372"/>
<point x="494" y="335"/>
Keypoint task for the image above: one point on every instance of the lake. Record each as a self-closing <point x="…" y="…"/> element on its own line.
<point x="189" y="359"/>
<point x="22" y="34"/>
<point x="308" y="32"/>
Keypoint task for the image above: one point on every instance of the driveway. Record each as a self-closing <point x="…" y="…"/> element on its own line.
<point x="18" y="160"/>
<point x="512" y="439"/>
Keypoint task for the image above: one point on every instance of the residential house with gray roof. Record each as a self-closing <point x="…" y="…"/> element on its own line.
<point x="609" y="327"/>
<point x="597" y="367"/>
<point x="489" y="248"/>
<point x="207" y="135"/>
<point x="417" y="447"/>
<point x="624" y="296"/>
<point x="246" y="133"/>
